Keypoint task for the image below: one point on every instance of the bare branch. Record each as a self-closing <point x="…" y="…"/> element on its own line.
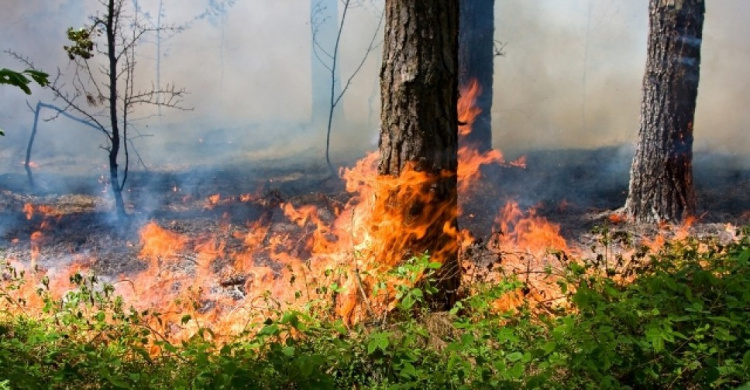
<point x="372" y="46"/>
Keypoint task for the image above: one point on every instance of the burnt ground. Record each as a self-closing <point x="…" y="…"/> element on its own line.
<point x="576" y="189"/>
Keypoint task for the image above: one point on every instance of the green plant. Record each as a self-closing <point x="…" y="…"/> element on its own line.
<point x="22" y="81"/>
<point x="682" y="323"/>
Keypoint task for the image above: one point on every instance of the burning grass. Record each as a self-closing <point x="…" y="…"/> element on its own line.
<point x="320" y="290"/>
<point x="685" y="313"/>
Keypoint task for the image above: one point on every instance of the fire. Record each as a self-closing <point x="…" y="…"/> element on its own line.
<point x="28" y="209"/>
<point x="308" y="256"/>
<point x="160" y="243"/>
<point x="213" y="200"/>
<point x="470" y="159"/>
<point x="45" y="211"/>
<point x="527" y="231"/>
<point x="36" y="243"/>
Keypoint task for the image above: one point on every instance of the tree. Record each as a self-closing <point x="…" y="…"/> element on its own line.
<point x="325" y="64"/>
<point x="20" y="80"/>
<point x="476" y="55"/>
<point x="104" y="93"/>
<point x="419" y="123"/>
<point x="325" y="33"/>
<point x="661" y="176"/>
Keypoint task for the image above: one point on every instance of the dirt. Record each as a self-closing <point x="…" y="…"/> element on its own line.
<point x="575" y="189"/>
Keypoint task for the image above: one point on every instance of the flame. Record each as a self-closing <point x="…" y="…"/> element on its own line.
<point x="469" y="157"/>
<point x="307" y="255"/>
<point x="212" y="201"/>
<point x="28" y="209"/>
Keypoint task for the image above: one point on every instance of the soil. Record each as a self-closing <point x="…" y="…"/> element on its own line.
<point x="575" y="189"/>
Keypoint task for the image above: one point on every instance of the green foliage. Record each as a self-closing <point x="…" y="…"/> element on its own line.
<point x="20" y="80"/>
<point x="683" y="323"/>
<point x="83" y="45"/>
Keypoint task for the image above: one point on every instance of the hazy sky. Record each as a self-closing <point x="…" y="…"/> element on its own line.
<point x="571" y="75"/>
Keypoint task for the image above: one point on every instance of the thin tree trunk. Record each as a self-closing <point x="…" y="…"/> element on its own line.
<point x="112" y="14"/>
<point x="30" y="146"/>
<point x="419" y="124"/>
<point x="326" y="83"/>
<point x="32" y="137"/>
<point x="476" y="55"/>
<point x="661" y="177"/>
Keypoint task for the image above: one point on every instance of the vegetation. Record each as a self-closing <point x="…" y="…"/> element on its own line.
<point x="103" y="89"/>
<point x="22" y="81"/>
<point x="682" y="323"/>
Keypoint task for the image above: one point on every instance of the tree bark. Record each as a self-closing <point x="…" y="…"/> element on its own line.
<point x="419" y="124"/>
<point x="476" y="55"/>
<point x="661" y="176"/>
<point x="113" y="14"/>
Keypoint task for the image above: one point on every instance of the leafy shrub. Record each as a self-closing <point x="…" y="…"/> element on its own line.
<point x="683" y="323"/>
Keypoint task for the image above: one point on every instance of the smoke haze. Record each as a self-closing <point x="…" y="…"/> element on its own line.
<point x="570" y="78"/>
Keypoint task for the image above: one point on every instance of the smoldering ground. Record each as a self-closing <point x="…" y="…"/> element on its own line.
<point x="570" y="78"/>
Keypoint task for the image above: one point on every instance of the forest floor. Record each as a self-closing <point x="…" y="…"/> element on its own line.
<point x="575" y="189"/>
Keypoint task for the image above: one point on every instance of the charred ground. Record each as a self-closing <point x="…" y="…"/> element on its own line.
<point x="575" y="189"/>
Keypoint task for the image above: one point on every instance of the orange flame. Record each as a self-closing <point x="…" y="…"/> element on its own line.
<point x="317" y="255"/>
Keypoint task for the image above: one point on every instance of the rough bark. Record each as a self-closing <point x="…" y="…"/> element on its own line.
<point x="661" y="177"/>
<point x="419" y="124"/>
<point x="476" y="54"/>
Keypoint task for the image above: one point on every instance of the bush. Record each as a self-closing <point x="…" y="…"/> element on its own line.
<point x="683" y="323"/>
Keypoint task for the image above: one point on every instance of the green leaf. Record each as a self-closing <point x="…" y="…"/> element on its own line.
<point x="515" y="356"/>
<point x="408" y="371"/>
<point x="269" y="330"/>
<point x="516" y="372"/>
<point x="723" y="335"/>
<point x="378" y="340"/>
<point x="291" y="319"/>
<point x="39" y="77"/>
<point x="549" y="346"/>
<point x="658" y="344"/>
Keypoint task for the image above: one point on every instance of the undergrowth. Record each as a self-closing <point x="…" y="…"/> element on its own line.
<point x="681" y="323"/>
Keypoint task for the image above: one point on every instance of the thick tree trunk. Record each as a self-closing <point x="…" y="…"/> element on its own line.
<point x="419" y="124"/>
<point x="476" y="55"/>
<point x="661" y="177"/>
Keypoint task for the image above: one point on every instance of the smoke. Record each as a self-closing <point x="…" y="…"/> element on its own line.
<point x="570" y="78"/>
<point x="572" y="73"/>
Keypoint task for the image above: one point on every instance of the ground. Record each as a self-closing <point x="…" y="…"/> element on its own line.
<point x="575" y="189"/>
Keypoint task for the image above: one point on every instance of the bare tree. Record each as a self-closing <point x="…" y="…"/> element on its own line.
<point x="661" y="177"/>
<point x="37" y="110"/>
<point x="327" y="57"/>
<point x="104" y="92"/>
<point x="419" y="123"/>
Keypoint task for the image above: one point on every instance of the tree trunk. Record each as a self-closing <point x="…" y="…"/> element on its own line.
<point x="419" y="124"/>
<point x="113" y="13"/>
<point x="661" y="177"/>
<point x="476" y="55"/>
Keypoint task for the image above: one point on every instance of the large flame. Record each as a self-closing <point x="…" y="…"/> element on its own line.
<point x="314" y="256"/>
